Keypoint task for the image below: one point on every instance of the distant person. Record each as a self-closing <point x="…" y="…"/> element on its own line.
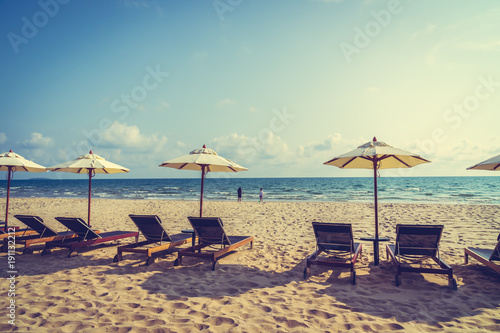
<point x="239" y="194"/>
<point x="261" y="195"/>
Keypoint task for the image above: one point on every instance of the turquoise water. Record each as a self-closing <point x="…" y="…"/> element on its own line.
<point x="471" y="190"/>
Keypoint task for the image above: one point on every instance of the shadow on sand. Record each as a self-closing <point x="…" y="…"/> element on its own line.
<point x="421" y="298"/>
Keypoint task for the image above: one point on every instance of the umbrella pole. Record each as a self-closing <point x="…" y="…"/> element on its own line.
<point x="375" y="243"/>
<point x="90" y="191"/>
<point x="9" y="177"/>
<point x="201" y="196"/>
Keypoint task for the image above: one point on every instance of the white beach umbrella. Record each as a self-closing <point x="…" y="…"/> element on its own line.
<point x="89" y="164"/>
<point x="492" y="164"/>
<point x="204" y="160"/>
<point x="12" y="162"/>
<point x="376" y="155"/>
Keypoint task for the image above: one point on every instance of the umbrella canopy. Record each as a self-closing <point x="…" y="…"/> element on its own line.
<point x="204" y="160"/>
<point x="12" y="162"/>
<point x="385" y="157"/>
<point x="89" y="164"/>
<point x="376" y="155"/>
<point x="492" y="164"/>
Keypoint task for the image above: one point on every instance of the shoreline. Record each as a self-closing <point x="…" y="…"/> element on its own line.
<point x="205" y="200"/>
<point x="259" y="289"/>
<point x="459" y="190"/>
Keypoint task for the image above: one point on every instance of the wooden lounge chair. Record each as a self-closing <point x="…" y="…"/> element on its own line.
<point x="414" y="244"/>
<point x="43" y="233"/>
<point x="485" y="256"/>
<point x="151" y="228"/>
<point x="14" y="233"/>
<point x="210" y="233"/>
<point x="336" y="240"/>
<point x="86" y="236"/>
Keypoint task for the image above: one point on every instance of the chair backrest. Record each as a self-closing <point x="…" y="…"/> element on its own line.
<point x="334" y="236"/>
<point x="209" y="230"/>
<point x="418" y="240"/>
<point x="36" y="223"/>
<point x="151" y="227"/>
<point x="496" y="251"/>
<point x="79" y="227"/>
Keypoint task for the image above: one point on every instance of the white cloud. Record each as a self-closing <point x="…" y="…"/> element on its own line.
<point x="37" y="140"/>
<point x="253" y="109"/>
<point x="265" y="148"/>
<point x="120" y="135"/>
<point x="330" y="147"/>
<point x="3" y="138"/>
<point x="225" y="102"/>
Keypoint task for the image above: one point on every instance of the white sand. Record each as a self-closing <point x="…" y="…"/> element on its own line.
<point x="258" y="290"/>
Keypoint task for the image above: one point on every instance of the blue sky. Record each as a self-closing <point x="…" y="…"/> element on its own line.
<point x="277" y="86"/>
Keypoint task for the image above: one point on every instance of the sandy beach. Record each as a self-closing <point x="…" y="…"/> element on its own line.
<point x="253" y="290"/>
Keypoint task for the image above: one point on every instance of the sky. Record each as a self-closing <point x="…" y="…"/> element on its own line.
<point x="278" y="86"/>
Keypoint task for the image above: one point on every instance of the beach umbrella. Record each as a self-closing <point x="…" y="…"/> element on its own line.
<point x="12" y="162"/>
<point x="89" y="164"/>
<point x="376" y="155"/>
<point x="492" y="164"/>
<point x="204" y="160"/>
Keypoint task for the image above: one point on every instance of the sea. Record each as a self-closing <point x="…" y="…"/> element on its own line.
<point x="454" y="190"/>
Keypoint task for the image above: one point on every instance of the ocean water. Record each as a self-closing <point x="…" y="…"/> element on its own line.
<point x="470" y="190"/>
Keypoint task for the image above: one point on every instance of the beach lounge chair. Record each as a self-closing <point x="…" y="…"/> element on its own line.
<point x="43" y="233"/>
<point x="86" y="236"/>
<point x="210" y="233"/>
<point x="16" y="231"/>
<point x="485" y="256"/>
<point x="337" y="241"/>
<point x="152" y="229"/>
<point x="414" y="245"/>
<point x="13" y="233"/>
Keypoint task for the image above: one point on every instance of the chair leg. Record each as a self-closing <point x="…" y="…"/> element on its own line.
<point x="150" y="261"/>
<point x="28" y="251"/>
<point x="398" y="276"/>
<point x="178" y="261"/>
<point x="453" y="284"/>
<point x="398" y="280"/>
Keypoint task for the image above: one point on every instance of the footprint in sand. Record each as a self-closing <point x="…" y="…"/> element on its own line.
<point x="133" y="305"/>
<point x="321" y="314"/>
<point x="198" y="314"/>
<point x="266" y="308"/>
<point x="289" y="323"/>
<point x="218" y="321"/>
<point x="180" y="306"/>
<point x="201" y="327"/>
